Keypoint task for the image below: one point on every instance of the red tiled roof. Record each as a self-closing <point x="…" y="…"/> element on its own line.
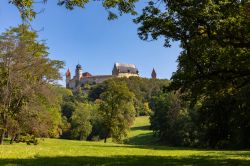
<point x="68" y="73"/>
<point x="86" y="74"/>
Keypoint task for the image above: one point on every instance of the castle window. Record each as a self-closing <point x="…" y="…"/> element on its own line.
<point x="128" y="71"/>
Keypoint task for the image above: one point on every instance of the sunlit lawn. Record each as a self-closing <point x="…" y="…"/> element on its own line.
<point x="66" y="152"/>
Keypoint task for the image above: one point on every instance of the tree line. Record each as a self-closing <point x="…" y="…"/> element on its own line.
<point x="110" y="107"/>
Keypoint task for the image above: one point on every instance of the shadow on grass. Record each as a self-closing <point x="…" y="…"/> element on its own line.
<point x="140" y="128"/>
<point x="119" y="160"/>
<point x="243" y="152"/>
<point x="142" y="139"/>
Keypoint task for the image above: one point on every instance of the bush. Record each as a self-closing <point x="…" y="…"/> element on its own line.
<point x="28" y="139"/>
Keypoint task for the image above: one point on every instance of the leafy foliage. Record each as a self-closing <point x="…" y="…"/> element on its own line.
<point x="26" y="74"/>
<point x="81" y="121"/>
<point x="214" y="65"/>
<point x="142" y="88"/>
<point x="171" y="120"/>
<point x="117" y="110"/>
<point x="27" y="11"/>
<point x="28" y="139"/>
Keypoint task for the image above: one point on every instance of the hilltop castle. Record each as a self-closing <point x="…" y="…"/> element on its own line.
<point x="80" y="78"/>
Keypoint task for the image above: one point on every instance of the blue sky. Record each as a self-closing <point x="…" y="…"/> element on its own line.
<point x="86" y="35"/>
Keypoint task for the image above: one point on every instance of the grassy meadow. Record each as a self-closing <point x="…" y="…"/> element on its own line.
<point x="138" y="149"/>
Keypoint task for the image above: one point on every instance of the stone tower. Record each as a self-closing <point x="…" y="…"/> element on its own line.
<point x="153" y="74"/>
<point x="68" y="77"/>
<point x="78" y="72"/>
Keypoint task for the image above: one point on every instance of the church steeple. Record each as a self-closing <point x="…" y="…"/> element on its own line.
<point x="153" y="74"/>
<point x="68" y="77"/>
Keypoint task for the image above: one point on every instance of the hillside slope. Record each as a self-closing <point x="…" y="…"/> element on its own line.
<point x="140" y="134"/>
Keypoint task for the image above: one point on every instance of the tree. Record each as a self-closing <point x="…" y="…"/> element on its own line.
<point x="215" y="39"/>
<point x="34" y="120"/>
<point x="81" y="120"/>
<point x="143" y="89"/>
<point x="172" y="121"/>
<point x="27" y="11"/>
<point x="39" y="117"/>
<point x="117" y="110"/>
<point x="26" y="72"/>
<point x="224" y="121"/>
<point x="145" y="110"/>
<point x="214" y="64"/>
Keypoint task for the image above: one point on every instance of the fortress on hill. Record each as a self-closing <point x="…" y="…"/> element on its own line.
<point x="81" y="78"/>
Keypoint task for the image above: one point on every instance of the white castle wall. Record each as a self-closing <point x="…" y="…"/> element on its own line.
<point x="95" y="79"/>
<point x="127" y="75"/>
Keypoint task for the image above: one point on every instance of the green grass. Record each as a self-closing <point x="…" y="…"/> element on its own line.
<point x="138" y="151"/>
<point x="140" y="133"/>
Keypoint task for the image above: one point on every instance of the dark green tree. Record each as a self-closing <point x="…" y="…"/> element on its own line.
<point x="214" y="64"/>
<point x="172" y="121"/>
<point x="81" y="120"/>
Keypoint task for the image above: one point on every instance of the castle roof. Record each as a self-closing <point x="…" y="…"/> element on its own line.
<point x="86" y="74"/>
<point x="153" y="74"/>
<point x="126" y="68"/>
<point x="125" y="65"/>
<point x="78" y="66"/>
<point x="68" y="73"/>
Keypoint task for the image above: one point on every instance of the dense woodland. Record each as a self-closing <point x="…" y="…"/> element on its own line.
<point x="205" y="104"/>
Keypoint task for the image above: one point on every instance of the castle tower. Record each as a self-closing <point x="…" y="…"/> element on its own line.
<point x="153" y="74"/>
<point x="68" y="77"/>
<point x="78" y="72"/>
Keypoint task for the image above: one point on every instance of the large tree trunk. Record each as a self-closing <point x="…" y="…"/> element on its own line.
<point x="81" y="136"/>
<point x="13" y="139"/>
<point x="107" y="135"/>
<point x="2" y="136"/>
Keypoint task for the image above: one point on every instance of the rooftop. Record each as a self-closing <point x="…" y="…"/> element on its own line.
<point x="125" y="65"/>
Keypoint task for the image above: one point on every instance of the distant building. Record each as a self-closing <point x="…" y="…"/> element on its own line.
<point x="153" y="74"/>
<point x="80" y="78"/>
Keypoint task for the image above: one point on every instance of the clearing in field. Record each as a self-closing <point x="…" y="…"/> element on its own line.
<point x="138" y="150"/>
